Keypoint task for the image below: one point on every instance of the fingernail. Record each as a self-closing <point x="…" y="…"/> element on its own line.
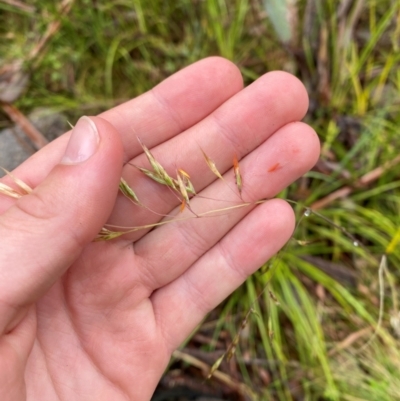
<point x="83" y="142"/>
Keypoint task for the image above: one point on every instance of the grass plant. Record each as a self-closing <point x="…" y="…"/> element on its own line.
<point x="306" y="338"/>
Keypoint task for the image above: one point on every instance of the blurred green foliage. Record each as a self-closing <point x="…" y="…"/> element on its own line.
<point x="347" y="55"/>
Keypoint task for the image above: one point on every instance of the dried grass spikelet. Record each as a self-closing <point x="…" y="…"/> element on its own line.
<point x="183" y="192"/>
<point x="181" y="185"/>
<point x="186" y="181"/>
<point x="185" y="187"/>
<point x="238" y="176"/>
<point x="211" y="165"/>
<point x="106" y="235"/>
<point x="8" y="191"/>
<point x="128" y="192"/>
<point x="24" y="189"/>
<point x="158" y="174"/>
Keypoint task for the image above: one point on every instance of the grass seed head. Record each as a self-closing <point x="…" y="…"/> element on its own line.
<point x="8" y="191"/>
<point x="212" y="165"/>
<point x="25" y="188"/>
<point x="128" y="191"/>
<point x="158" y="174"/>
<point x="215" y="366"/>
<point x="157" y="177"/>
<point x="186" y="179"/>
<point x="182" y="188"/>
<point x="106" y="235"/>
<point x="238" y="176"/>
<point x="154" y="164"/>
<point x="182" y="207"/>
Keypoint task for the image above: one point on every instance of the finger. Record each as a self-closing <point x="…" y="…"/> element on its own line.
<point x="283" y="158"/>
<point x="237" y="127"/>
<point x="44" y="232"/>
<point x="180" y="306"/>
<point x="174" y="105"/>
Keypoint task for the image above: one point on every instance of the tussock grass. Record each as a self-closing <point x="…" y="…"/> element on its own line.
<point x="306" y="338"/>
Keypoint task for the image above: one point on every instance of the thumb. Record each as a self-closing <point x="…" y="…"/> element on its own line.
<point x="45" y="231"/>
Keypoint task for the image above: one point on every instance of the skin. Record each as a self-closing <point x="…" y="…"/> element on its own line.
<point x="98" y="321"/>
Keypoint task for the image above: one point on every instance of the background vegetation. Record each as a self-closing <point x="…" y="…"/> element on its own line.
<point x="326" y="325"/>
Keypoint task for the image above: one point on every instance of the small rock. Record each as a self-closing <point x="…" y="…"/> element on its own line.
<point x="15" y="147"/>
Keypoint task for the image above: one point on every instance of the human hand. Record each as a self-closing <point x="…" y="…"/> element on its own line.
<point x="83" y="320"/>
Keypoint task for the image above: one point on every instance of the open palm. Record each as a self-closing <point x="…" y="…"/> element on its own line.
<point x="85" y="320"/>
